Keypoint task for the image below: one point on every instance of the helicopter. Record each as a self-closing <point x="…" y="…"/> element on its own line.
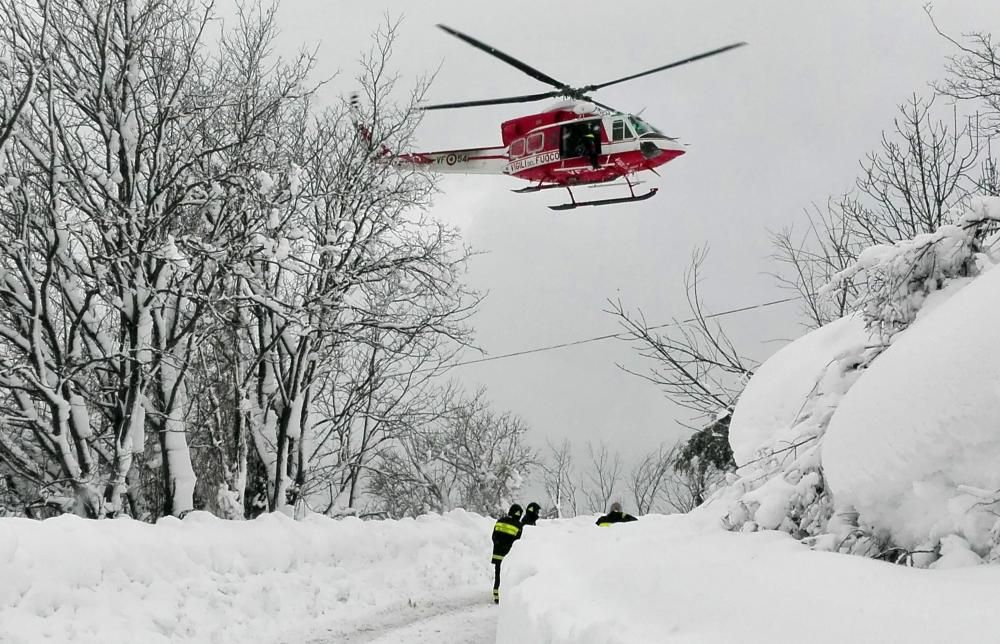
<point x="578" y="141"/>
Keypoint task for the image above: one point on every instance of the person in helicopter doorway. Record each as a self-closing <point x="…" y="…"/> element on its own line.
<point x="615" y="515"/>
<point x="506" y="531"/>
<point x="588" y="147"/>
<point x="531" y="514"/>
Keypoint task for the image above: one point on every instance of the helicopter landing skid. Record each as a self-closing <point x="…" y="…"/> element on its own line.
<point x="544" y="186"/>
<point x="548" y="186"/>
<point x="604" y="202"/>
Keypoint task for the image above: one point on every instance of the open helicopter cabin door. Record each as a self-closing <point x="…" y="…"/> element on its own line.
<point x="574" y="143"/>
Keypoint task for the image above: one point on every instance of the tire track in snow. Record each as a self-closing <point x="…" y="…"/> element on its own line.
<point x="470" y="619"/>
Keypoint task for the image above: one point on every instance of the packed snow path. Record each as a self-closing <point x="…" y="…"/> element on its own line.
<point x="470" y="619"/>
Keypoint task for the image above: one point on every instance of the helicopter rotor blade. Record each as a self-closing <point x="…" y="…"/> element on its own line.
<point x="676" y="63"/>
<point x="510" y="60"/>
<point x="591" y="99"/>
<point x="527" y="98"/>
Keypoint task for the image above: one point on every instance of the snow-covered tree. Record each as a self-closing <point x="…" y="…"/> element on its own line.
<point x="189" y="250"/>
<point x="893" y="282"/>
<point x="649" y="480"/>
<point x="700" y="465"/>
<point x="926" y="167"/>
<point x="692" y="361"/>
<point x="602" y="477"/>
<point x="974" y="76"/>
<point x="22" y="59"/>
<point x="100" y="218"/>
<point x="376" y="389"/>
<point x="558" y="479"/>
<point x="467" y="456"/>
<point x="348" y="254"/>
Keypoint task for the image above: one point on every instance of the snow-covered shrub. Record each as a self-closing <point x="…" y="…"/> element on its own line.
<point x="896" y="280"/>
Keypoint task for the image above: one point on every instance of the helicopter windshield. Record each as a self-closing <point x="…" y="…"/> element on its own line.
<point x="641" y="127"/>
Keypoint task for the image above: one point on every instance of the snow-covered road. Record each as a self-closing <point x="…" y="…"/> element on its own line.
<point x="463" y="620"/>
<point x="201" y="579"/>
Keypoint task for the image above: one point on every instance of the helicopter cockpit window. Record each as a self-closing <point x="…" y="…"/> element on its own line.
<point x="517" y="148"/>
<point x="620" y="131"/>
<point x="641" y="127"/>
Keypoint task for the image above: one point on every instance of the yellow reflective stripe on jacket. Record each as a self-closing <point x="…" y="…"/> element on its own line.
<point x="604" y="525"/>
<point x="497" y="557"/>
<point x="506" y="528"/>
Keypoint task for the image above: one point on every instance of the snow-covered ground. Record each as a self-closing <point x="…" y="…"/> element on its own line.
<point x="204" y="580"/>
<point x="661" y="579"/>
<point x="683" y="579"/>
<point x="472" y="621"/>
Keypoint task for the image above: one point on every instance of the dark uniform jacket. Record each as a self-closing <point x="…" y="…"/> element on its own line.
<point x="530" y="518"/>
<point x="506" y="531"/>
<point x="615" y="517"/>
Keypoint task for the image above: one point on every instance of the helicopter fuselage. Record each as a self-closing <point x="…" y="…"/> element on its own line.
<point x="550" y="148"/>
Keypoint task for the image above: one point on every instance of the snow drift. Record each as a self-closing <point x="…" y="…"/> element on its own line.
<point x="203" y="579"/>
<point x="778" y="426"/>
<point x="772" y="402"/>
<point x="672" y="579"/>
<point x="921" y="422"/>
<point x="875" y="434"/>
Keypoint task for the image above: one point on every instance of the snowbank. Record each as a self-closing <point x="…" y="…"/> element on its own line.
<point x="773" y="399"/>
<point x="669" y="579"/>
<point x="778" y="427"/>
<point x="207" y="580"/>
<point x="922" y="421"/>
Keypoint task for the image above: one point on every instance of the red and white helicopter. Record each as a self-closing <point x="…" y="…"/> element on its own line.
<point x="576" y="142"/>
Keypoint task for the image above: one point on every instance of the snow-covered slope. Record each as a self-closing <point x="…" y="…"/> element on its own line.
<point x="668" y="579"/>
<point x="922" y="421"/>
<point x="206" y="580"/>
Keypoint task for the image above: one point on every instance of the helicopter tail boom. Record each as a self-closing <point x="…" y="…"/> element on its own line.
<point x="491" y="160"/>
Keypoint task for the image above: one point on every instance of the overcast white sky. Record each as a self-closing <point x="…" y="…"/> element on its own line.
<point x="772" y="128"/>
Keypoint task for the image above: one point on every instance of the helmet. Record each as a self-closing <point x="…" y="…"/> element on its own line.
<point x="533" y="508"/>
<point x="514" y="511"/>
<point x="616" y="507"/>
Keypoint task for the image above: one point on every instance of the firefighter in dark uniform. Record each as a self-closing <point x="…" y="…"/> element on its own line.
<point x="589" y="146"/>
<point x="615" y="516"/>
<point x="506" y="531"/>
<point x="531" y="514"/>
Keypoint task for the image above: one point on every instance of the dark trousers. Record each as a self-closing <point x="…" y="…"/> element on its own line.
<point x="496" y="580"/>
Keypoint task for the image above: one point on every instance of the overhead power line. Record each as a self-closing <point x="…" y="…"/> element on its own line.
<point x="620" y="335"/>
